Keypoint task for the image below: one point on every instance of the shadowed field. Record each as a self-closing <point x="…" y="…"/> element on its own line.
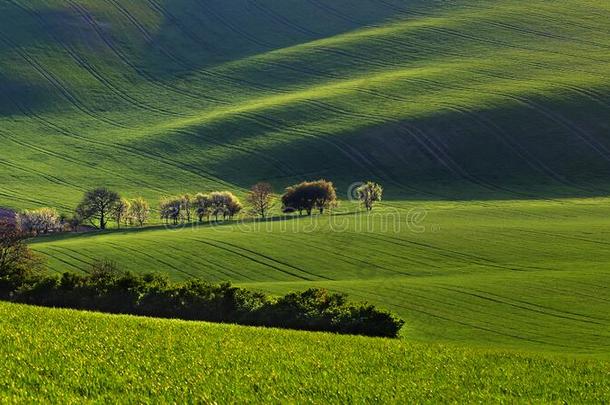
<point x="443" y="100"/>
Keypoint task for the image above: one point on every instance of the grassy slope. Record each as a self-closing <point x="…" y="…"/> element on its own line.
<point x="517" y="274"/>
<point x="437" y="100"/>
<point x="136" y="360"/>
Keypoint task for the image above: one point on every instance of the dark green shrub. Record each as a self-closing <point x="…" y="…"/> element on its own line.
<point x="108" y="289"/>
<point x="319" y="310"/>
<point x="367" y="320"/>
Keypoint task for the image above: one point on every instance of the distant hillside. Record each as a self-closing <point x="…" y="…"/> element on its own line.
<point x="436" y="99"/>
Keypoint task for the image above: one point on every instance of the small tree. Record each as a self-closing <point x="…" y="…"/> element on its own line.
<point x="323" y="194"/>
<point x="74" y="222"/>
<point x="169" y="209"/>
<point x="233" y="204"/>
<point x="203" y="206"/>
<point x="224" y="203"/>
<point x="260" y="199"/>
<point x="306" y="196"/>
<point x="97" y="206"/>
<point x="139" y="210"/>
<point x="293" y="200"/>
<point x="186" y="207"/>
<point x="369" y="193"/>
<point x="16" y="258"/>
<point x="121" y="211"/>
<point x="40" y="221"/>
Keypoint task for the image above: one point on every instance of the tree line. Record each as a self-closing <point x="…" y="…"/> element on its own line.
<point x="101" y="205"/>
<point x="106" y="288"/>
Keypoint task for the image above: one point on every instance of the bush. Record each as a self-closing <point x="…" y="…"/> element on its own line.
<point x="307" y="196"/>
<point x="108" y="289"/>
<point x="319" y="310"/>
<point x="18" y="264"/>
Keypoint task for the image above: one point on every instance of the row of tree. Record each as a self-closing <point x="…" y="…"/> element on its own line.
<point x="184" y="207"/>
<point x="101" y="205"/>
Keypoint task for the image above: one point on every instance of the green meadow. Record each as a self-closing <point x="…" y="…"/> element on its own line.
<point x="523" y="274"/>
<point x="140" y="360"/>
<point x="486" y="121"/>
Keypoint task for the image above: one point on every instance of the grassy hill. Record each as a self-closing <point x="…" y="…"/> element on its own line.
<point x="513" y="274"/>
<point x="485" y="120"/>
<point x="452" y="99"/>
<point x="136" y="360"/>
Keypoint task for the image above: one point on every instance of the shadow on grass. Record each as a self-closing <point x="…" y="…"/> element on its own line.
<point x="192" y="225"/>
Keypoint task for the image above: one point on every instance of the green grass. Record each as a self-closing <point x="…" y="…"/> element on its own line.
<point x="490" y="115"/>
<point x="144" y="360"/>
<point x="460" y="99"/>
<point x="524" y="274"/>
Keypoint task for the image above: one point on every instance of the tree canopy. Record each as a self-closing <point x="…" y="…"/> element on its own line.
<point x="98" y="205"/>
<point x="309" y="195"/>
<point x="369" y="193"/>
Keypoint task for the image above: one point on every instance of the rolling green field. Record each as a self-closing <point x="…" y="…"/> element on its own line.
<point x="529" y="275"/>
<point x="204" y="363"/>
<point x="486" y="121"/>
<point x="438" y="100"/>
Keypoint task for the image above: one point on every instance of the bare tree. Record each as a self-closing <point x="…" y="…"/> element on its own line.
<point x="97" y="206"/>
<point x="260" y="198"/>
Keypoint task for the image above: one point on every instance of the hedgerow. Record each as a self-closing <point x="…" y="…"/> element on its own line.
<point x="107" y="289"/>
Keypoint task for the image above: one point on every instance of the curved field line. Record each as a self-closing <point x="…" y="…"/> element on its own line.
<point x="57" y="84"/>
<point x="154" y="258"/>
<point x="543" y="307"/>
<point x="281" y="19"/>
<point x="59" y="259"/>
<point x="236" y="250"/>
<point x="523" y="307"/>
<point x="336" y="13"/>
<point x="49" y="178"/>
<point x="273" y="259"/>
<point x="65" y="251"/>
<point x="187" y="65"/>
<point x="241" y="275"/>
<point x="207" y="262"/>
<point x="86" y="16"/>
<point x="83" y="63"/>
<point x="356" y="292"/>
<point x="78" y="162"/>
<point x="346" y="258"/>
<point x="16" y="196"/>
<point x="176" y="22"/>
<point x="464" y="257"/>
<point x="467" y="306"/>
<point x="408" y="259"/>
<point x="281" y="166"/>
